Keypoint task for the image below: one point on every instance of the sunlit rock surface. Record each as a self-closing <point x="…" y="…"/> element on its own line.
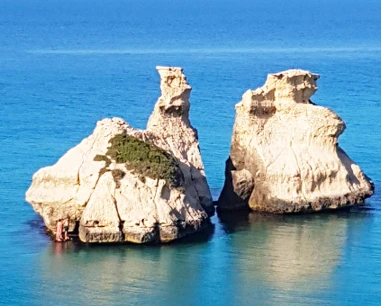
<point x="110" y="200"/>
<point x="285" y="156"/>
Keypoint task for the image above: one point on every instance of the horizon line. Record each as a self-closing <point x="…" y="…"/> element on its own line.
<point x="204" y="50"/>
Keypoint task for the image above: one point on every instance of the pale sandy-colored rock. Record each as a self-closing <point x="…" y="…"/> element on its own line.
<point x="63" y="190"/>
<point x="131" y="208"/>
<point x="170" y="121"/>
<point x="290" y="148"/>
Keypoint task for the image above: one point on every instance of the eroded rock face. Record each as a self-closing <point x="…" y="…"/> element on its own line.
<point x="170" y="122"/>
<point x="113" y="202"/>
<point x="285" y="156"/>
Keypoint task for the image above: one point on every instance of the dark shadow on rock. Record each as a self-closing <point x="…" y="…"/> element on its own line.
<point x="347" y="162"/>
<point x="229" y="199"/>
<point x="263" y="111"/>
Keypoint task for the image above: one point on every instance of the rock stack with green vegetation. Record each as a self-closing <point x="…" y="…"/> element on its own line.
<point x="126" y="185"/>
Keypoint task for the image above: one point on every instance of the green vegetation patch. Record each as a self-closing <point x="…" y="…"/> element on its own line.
<point x="144" y="158"/>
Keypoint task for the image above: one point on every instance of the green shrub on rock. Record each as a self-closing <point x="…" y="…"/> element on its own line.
<point x="144" y="158"/>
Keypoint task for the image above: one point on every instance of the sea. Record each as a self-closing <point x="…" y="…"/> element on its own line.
<point x="64" y="65"/>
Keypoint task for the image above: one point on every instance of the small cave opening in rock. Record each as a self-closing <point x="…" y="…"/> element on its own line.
<point x="75" y="231"/>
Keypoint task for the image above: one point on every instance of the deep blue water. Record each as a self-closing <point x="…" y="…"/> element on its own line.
<point x="66" y="64"/>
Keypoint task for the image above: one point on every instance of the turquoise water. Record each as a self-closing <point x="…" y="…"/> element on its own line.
<point x="66" y="64"/>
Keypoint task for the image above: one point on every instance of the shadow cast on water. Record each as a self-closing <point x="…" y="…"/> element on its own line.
<point x="232" y="221"/>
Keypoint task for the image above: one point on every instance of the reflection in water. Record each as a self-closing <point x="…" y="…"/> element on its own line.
<point x="110" y="274"/>
<point x="271" y="259"/>
<point x="298" y="253"/>
<point x="302" y="253"/>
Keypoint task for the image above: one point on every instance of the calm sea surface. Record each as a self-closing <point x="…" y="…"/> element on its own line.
<point x="66" y="64"/>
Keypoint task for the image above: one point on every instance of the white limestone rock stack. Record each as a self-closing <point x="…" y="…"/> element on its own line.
<point x="110" y="199"/>
<point x="285" y="156"/>
<point x="170" y="122"/>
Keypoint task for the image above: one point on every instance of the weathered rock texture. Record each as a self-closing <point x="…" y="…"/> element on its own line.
<point x="109" y="199"/>
<point x="285" y="156"/>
